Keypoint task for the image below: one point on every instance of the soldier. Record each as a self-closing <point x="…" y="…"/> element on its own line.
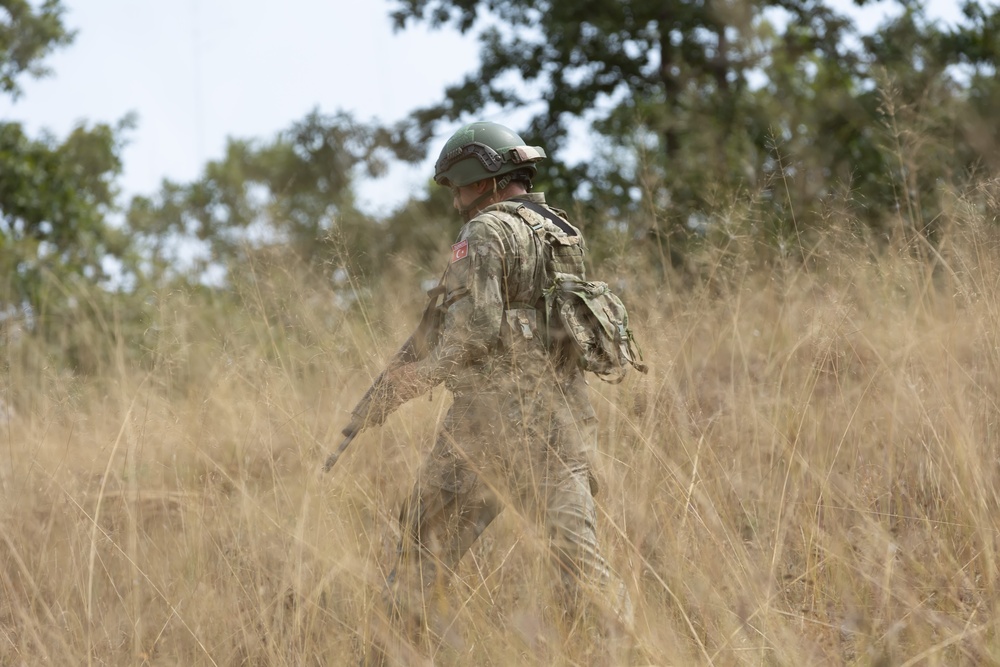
<point x="521" y="431"/>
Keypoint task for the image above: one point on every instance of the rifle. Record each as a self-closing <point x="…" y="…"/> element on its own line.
<point x="382" y="397"/>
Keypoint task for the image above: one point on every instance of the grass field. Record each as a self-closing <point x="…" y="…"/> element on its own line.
<point x="807" y="476"/>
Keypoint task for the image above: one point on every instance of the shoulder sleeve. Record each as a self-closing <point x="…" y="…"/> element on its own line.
<point x="473" y="298"/>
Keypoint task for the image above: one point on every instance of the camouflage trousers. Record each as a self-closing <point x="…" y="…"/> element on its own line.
<point x="490" y="455"/>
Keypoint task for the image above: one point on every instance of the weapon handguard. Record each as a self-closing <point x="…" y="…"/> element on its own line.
<point x="416" y="347"/>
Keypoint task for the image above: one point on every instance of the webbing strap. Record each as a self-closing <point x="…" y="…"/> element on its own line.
<point x="548" y="215"/>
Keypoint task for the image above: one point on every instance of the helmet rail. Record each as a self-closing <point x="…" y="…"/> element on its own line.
<point x="483" y="150"/>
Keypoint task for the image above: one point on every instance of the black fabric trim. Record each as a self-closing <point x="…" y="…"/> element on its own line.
<point x="548" y="215"/>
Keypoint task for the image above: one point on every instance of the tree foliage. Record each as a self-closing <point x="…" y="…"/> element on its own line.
<point x="54" y="201"/>
<point x="294" y="191"/>
<point x="688" y="106"/>
<point x="690" y="102"/>
<point x="27" y="35"/>
<point x="55" y="195"/>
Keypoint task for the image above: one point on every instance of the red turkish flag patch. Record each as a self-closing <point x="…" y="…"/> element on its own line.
<point x="459" y="251"/>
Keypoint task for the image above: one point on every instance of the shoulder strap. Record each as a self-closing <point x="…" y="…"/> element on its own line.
<point x="548" y="215"/>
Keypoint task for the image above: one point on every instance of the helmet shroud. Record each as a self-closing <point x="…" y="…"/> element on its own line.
<point x="485" y="150"/>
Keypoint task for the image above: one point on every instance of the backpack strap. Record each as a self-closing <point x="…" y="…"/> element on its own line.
<point x="548" y="215"/>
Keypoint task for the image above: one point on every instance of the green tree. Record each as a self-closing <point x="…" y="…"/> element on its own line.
<point x="54" y="201"/>
<point x="690" y="103"/>
<point x="672" y="73"/>
<point x="55" y="196"/>
<point x="292" y="191"/>
<point x="975" y="48"/>
<point x="27" y="35"/>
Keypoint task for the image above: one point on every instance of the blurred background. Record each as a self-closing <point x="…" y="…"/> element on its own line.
<point x="202" y="126"/>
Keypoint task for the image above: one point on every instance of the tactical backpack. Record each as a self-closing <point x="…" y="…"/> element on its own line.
<point x="584" y="319"/>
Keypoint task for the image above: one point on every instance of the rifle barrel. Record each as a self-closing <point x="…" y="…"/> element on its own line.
<point x="332" y="459"/>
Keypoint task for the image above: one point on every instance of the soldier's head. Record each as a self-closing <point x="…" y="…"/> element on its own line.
<point x="484" y="163"/>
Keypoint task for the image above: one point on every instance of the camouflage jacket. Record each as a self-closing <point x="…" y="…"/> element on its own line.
<point x="493" y="327"/>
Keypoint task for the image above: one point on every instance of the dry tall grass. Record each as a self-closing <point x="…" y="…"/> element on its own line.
<point x="808" y="475"/>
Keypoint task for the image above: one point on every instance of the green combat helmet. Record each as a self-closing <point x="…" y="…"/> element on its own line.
<point x="484" y="150"/>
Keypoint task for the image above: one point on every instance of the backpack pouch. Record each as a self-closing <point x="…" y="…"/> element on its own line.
<point x="595" y="321"/>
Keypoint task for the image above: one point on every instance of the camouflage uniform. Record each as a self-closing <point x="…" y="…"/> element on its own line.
<point x="521" y="430"/>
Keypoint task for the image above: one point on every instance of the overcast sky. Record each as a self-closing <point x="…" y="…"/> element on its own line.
<point x="197" y="71"/>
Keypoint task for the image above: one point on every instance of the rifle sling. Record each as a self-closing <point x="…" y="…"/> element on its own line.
<point x="548" y="215"/>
